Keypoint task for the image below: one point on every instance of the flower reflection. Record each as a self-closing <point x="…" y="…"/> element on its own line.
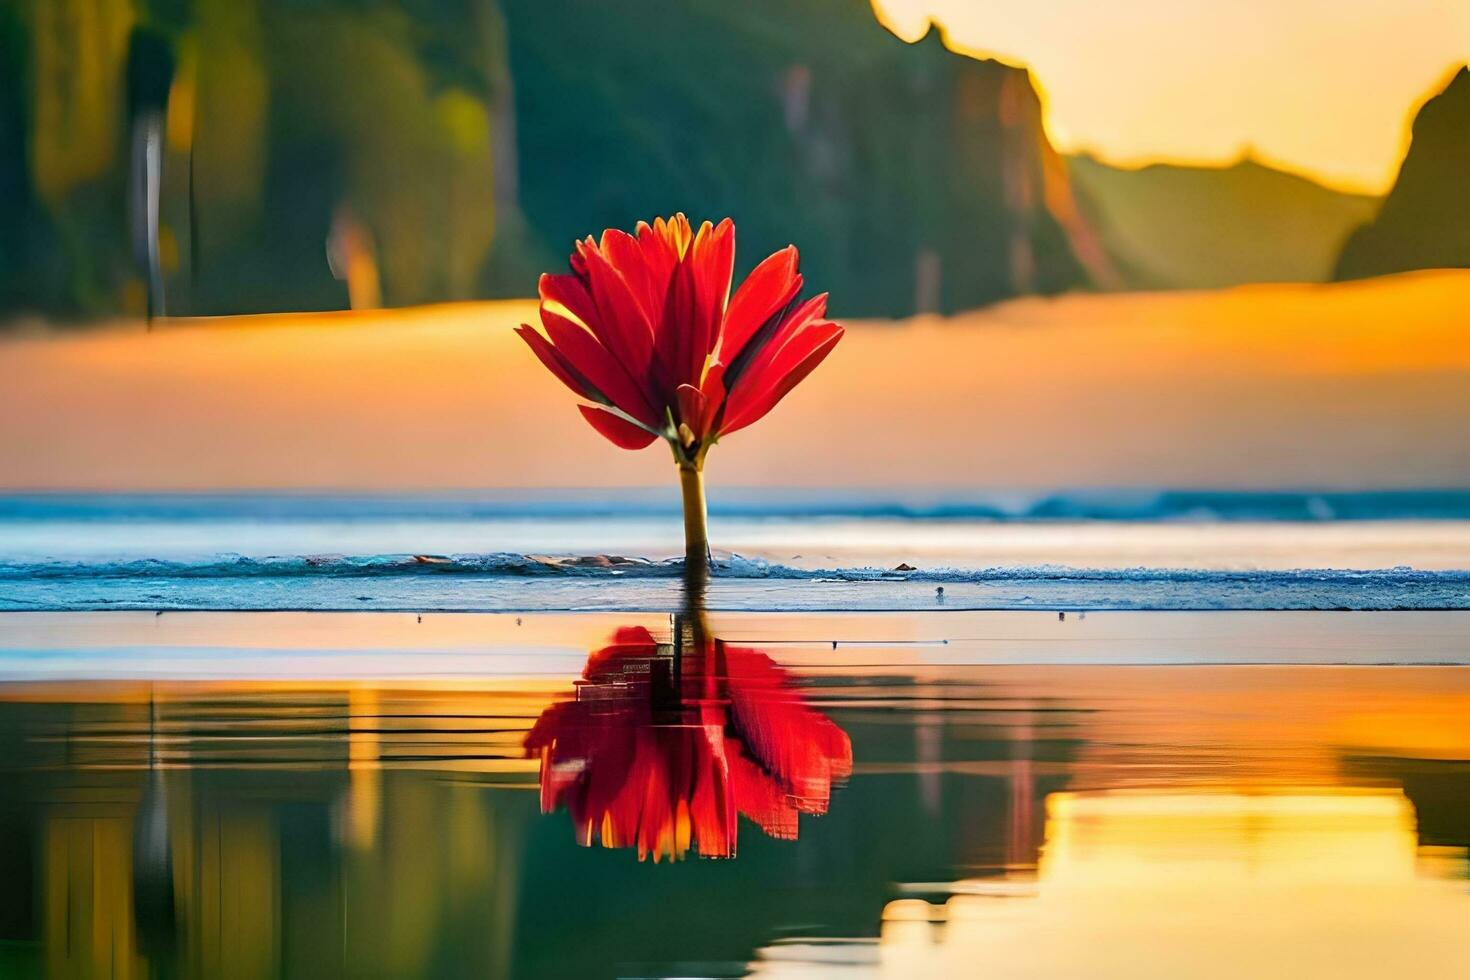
<point x="664" y="745"/>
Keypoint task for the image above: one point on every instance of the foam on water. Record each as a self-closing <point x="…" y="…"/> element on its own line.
<point x="807" y="551"/>
<point x="519" y="582"/>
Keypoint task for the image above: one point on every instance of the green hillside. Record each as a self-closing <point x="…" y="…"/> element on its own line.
<point x="914" y="179"/>
<point x="449" y="149"/>
<point x="1176" y="227"/>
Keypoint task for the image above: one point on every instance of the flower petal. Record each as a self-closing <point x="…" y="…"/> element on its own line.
<point x="768" y="288"/>
<point x="625" y="254"/>
<point x="617" y="430"/>
<point x="691" y="408"/>
<point x="623" y="328"/>
<point x="674" y="333"/>
<point x="659" y="259"/>
<point x="570" y="294"/>
<point x="593" y="361"/>
<point x="759" y="393"/>
<point x="773" y="335"/>
<point x="678" y="233"/>
<point x="713" y="389"/>
<point x="557" y="364"/>
<point x="714" y="265"/>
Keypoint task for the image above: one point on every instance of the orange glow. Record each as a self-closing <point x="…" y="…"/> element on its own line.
<point x="1315" y="882"/>
<point x="1324" y="385"/>
<point x="1324" y="89"/>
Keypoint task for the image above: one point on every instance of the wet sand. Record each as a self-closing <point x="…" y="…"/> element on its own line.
<point x="471" y="646"/>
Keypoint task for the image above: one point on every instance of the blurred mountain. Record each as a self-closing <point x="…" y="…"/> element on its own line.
<point x="236" y="156"/>
<point x="334" y="142"/>
<point x="1425" y="220"/>
<point x="1185" y="227"/>
<point x="224" y="156"/>
<point x="911" y="177"/>
<point x="239" y="156"/>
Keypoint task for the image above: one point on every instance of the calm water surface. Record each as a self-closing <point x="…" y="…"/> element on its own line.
<point x="595" y="804"/>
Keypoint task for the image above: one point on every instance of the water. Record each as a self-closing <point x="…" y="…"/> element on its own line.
<point x="816" y="551"/>
<point x="1086" y="735"/>
<point x="877" y="795"/>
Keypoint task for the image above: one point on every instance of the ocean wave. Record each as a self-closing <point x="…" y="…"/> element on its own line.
<point x="339" y="566"/>
<point x="503" y="564"/>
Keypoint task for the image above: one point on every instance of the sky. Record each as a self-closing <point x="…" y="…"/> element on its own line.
<point x="1321" y="87"/>
<point x="1360" y="385"/>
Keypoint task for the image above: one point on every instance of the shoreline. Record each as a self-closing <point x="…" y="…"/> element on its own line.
<point x="813" y="593"/>
<point x="431" y="647"/>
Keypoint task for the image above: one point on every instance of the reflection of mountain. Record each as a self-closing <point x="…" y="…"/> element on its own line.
<point x="1172" y="227"/>
<point x="329" y="830"/>
<point x="660" y="751"/>
<point x="368" y="829"/>
<point x="1438" y="788"/>
<point x="1425" y="220"/>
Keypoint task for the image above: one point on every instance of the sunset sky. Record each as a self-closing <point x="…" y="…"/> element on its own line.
<point x="1323" y="87"/>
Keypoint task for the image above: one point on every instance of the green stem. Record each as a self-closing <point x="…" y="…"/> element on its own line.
<point x="696" y="525"/>
<point x="692" y="634"/>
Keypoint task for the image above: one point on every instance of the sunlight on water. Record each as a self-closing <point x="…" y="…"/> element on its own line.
<point x="1290" y="882"/>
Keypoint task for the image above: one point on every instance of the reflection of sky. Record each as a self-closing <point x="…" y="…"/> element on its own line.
<point x="1284" y="883"/>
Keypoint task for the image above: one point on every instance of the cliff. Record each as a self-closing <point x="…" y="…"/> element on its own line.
<point x="1425" y="220"/>
<point x="913" y="178"/>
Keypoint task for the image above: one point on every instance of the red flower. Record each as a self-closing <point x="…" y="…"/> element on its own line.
<point x="662" y="761"/>
<point x="645" y="327"/>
